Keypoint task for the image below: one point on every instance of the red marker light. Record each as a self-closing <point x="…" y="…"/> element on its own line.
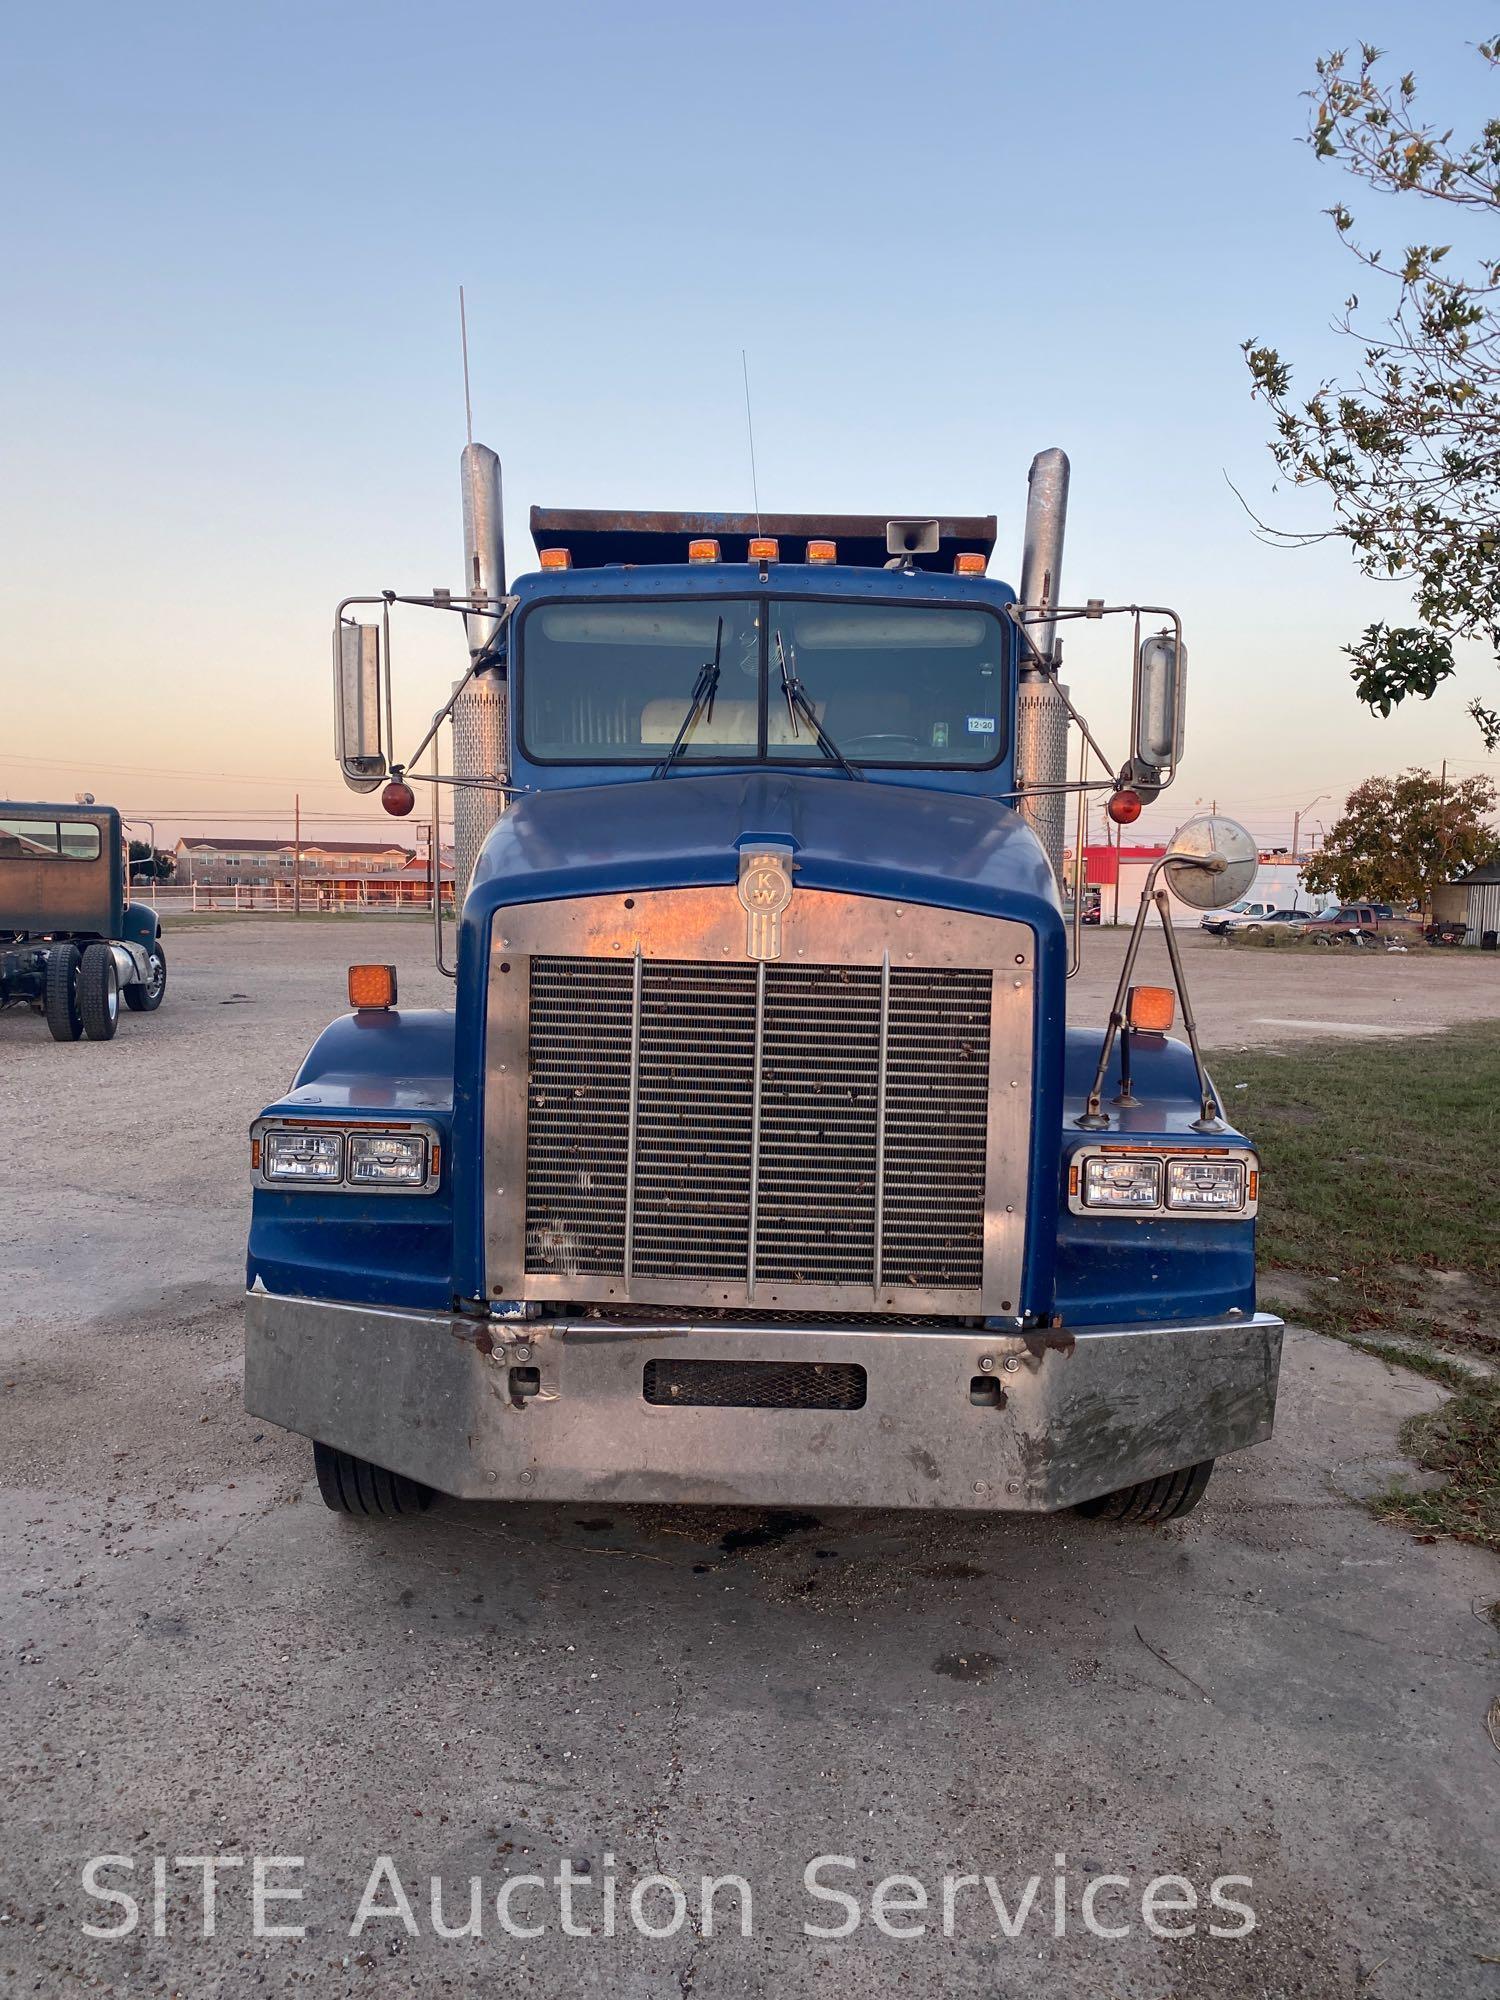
<point x="398" y="798"/>
<point x="1123" y="807"/>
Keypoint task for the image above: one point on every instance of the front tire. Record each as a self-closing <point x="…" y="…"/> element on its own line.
<point x="99" y="993"/>
<point x="1164" y="1499"/>
<point x="146" y="997"/>
<point x="351" y="1485"/>
<point x="60" y="1004"/>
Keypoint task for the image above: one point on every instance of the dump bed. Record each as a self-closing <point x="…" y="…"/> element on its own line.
<point x="594" y="538"/>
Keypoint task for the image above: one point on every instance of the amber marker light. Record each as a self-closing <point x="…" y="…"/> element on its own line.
<point x="372" y="988"/>
<point x="706" y="550"/>
<point x="556" y="559"/>
<point x="822" y="552"/>
<point x="763" y="548"/>
<point x="968" y="563"/>
<point x="1151" y="1009"/>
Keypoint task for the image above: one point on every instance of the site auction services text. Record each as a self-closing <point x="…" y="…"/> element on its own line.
<point x="163" y="1895"/>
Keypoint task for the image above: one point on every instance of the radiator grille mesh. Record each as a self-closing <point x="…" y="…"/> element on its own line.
<point x="865" y="1111"/>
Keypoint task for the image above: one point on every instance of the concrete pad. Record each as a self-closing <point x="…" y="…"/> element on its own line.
<point x="195" y="1658"/>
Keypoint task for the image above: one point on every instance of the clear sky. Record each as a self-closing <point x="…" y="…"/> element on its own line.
<point x="947" y="235"/>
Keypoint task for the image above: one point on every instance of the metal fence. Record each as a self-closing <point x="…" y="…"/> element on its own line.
<point x="354" y="899"/>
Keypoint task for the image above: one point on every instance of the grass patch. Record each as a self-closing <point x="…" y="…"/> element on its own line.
<point x="1380" y="1225"/>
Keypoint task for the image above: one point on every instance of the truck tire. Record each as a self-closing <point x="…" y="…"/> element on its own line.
<point x="351" y="1485"/>
<point x="1164" y="1499"/>
<point x="146" y="997"/>
<point x="99" y="993"/>
<point x="61" y="1002"/>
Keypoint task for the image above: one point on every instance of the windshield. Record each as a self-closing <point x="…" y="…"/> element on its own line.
<point x="891" y="684"/>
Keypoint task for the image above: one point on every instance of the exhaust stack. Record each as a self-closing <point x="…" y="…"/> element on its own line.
<point x="1041" y="714"/>
<point x="479" y="714"/>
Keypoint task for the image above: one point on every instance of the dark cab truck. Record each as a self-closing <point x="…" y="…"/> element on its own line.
<point x="71" y="943"/>
<point x="756" y="1161"/>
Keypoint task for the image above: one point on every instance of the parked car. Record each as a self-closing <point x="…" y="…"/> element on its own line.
<point x="1282" y="919"/>
<point x="1219" y="921"/>
<point x="71" y="945"/>
<point x="1370" y="919"/>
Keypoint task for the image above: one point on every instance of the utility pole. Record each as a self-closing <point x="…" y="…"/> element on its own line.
<point x="1297" y="819"/>
<point x="297" y="856"/>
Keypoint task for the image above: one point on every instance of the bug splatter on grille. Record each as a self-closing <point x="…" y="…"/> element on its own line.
<point x="793" y="1124"/>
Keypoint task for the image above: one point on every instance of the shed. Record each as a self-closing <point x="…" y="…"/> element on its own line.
<point x="1481" y="890"/>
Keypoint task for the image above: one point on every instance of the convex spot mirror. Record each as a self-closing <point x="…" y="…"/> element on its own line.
<point x="357" y="711"/>
<point x="1157" y="710"/>
<point x="1210" y="862"/>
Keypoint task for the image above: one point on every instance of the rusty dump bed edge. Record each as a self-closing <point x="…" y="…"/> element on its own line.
<point x="596" y="537"/>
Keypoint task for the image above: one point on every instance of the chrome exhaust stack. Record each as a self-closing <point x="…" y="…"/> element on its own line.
<point x="1041" y="712"/>
<point x="479" y="712"/>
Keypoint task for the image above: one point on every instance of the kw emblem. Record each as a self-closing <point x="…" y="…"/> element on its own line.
<point x="765" y="891"/>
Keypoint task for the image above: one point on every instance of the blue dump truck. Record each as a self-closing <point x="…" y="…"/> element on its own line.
<point x="756" y="1162"/>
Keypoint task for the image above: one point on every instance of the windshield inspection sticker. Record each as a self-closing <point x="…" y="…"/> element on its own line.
<point x="981" y="725"/>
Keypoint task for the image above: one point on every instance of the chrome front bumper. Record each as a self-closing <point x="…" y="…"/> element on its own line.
<point x="1077" y="1413"/>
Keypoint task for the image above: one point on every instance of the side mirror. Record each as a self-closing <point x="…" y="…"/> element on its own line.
<point x="1157" y="709"/>
<point x="356" y="705"/>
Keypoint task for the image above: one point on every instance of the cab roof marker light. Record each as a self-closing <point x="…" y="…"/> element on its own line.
<point x="706" y="549"/>
<point x="968" y="562"/>
<point x="556" y="559"/>
<point x="763" y="548"/>
<point x="822" y="551"/>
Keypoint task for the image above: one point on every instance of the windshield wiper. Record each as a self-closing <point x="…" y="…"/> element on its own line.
<point x="797" y="704"/>
<point x="703" y="698"/>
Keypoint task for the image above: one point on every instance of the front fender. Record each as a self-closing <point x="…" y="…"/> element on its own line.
<point x="387" y="1249"/>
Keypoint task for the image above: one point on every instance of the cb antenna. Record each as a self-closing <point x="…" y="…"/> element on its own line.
<point x="463" y="334"/>
<point x="750" y="428"/>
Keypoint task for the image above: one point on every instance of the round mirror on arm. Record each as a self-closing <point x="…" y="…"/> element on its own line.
<point x="1210" y="862"/>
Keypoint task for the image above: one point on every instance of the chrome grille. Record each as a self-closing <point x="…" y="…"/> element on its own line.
<point x="778" y="1124"/>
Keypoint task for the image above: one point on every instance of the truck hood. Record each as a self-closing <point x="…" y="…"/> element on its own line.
<point x="943" y="848"/>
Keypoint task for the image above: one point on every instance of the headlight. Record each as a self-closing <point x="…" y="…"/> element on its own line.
<point x="1217" y="1185"/>
<point x="357" y="1158"/>
<point x="1214" y="1184"/>
<point x="1121" y="1182"/>
<point x="387" y="1159"/>
<point x="304" y="1156"/>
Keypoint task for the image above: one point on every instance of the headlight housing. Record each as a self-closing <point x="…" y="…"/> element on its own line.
<point x="1125" y="1180"/>
<point x="1210" y="1182"/>
<point x="387" y="1159"/>
<point x="304" y="1156"/>
<point x="360" y="1157"/>
<point x="1206" y="1187"/>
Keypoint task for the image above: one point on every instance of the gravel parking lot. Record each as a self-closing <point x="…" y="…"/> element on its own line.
<point x="197" y="1660"/>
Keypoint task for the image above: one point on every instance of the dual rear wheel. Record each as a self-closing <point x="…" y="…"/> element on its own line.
<point x="83" y="991"/>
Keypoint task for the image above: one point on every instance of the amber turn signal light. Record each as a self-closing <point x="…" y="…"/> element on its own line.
<point x="1152" y="1009"/>
<point x="372" y="988"/>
